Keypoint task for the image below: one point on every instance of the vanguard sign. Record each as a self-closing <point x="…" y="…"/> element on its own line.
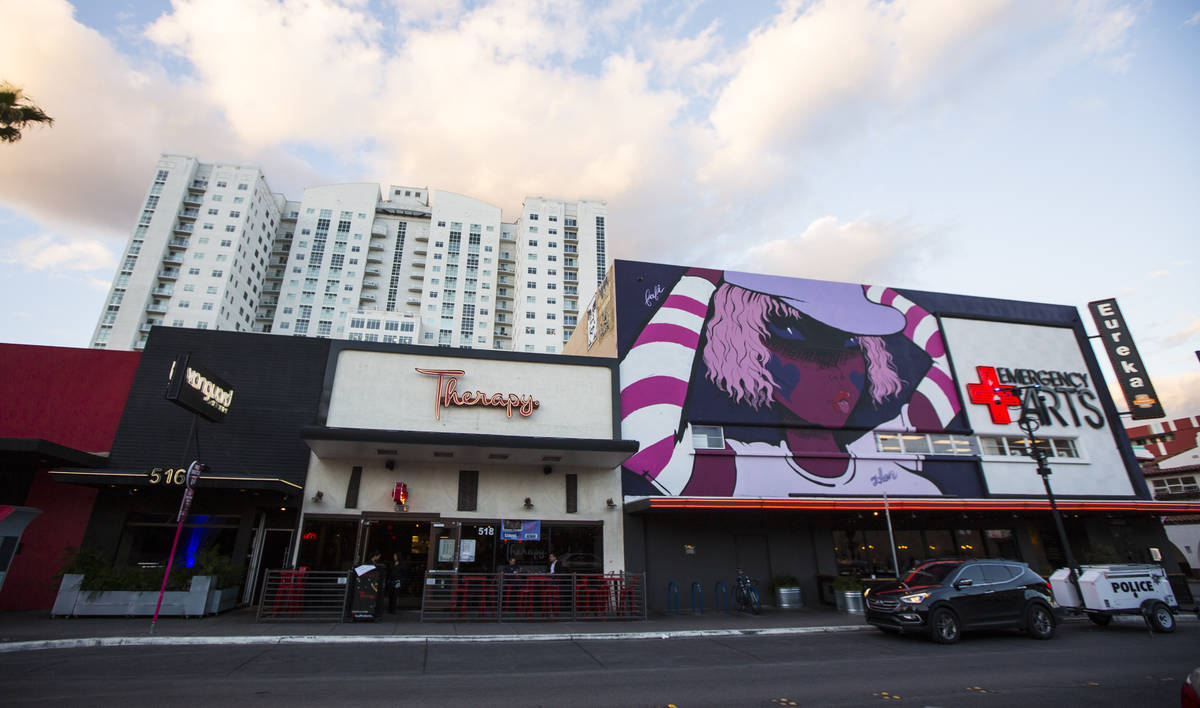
<point x="198" y="390"/>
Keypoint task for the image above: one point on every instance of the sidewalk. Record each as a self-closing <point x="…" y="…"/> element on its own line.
<point x="24" y="631"/>
<point x="37" y="630"/>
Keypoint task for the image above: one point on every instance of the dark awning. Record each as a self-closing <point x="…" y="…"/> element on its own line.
<point x="141" y="478"/>
<point x="39" y="453"/>
<point x="420" y="446"/>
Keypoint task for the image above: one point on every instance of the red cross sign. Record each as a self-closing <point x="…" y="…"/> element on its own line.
<point x="990" y="393"/>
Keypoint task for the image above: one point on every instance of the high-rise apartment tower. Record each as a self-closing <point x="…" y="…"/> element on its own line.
<point x="215" y="248"/>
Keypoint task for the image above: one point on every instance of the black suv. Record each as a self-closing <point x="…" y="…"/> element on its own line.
<point x="945" y="597"/>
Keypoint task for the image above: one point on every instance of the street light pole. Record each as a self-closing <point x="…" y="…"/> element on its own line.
<point x="1030" y="421"/>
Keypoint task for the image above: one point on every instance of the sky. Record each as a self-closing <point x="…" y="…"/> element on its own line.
<point x="1046" y="150"/>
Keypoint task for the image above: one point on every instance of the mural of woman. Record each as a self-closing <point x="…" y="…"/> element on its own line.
<point x="799" y="374"/>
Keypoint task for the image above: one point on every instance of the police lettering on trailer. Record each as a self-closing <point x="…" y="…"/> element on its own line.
<point x="1134" y="586"/>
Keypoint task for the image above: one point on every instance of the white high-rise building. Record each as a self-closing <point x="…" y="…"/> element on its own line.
<point x="197" y="256"/>
<point x="215" y="249"/>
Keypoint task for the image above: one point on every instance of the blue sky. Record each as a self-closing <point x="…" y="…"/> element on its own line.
<point x="1033" y="150"/>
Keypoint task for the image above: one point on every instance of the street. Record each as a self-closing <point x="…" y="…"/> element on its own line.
<point x="1084" y="665"/>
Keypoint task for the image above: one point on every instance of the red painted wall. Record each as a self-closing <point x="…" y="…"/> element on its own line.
<point x="73" y="397"/>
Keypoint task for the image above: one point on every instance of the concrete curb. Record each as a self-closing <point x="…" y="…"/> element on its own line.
<point x="88" y="643"/>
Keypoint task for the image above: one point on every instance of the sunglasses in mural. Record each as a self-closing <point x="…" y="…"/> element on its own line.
<point x="799" y="373"/>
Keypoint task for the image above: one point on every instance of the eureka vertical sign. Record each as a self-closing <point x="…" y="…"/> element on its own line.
<point x="1126" y="362"/>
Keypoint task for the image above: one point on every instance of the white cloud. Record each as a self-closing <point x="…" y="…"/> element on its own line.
<point x="1193" y="20"/>
<point x="866" y="251"/>
<point x="46" y="252"/>
<point x="280" y="71"/>
<point x="1176" y="338"/>
<point x="112" y="120"/>
<point x="1178" y="393"/>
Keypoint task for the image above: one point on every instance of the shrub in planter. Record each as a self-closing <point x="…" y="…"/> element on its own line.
<point x="211" y="562"/>
<point x="847" y="583"/>
<point x="785" y="581"/>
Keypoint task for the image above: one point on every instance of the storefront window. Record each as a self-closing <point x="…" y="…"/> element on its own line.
<point x="969" y="543"/>
<point x="939" y="544"/>
<point x="327" y="544"/>
<point x="1000" y="543"/>
<point x="146" y="538"/>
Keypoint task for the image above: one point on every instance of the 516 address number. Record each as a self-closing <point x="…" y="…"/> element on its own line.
<point x="158" y="475"/>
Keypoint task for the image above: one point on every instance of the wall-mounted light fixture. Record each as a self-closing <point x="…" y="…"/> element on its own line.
<point x="318" y="497"/>
<point x="611" y="503"/>
<point x="528" y="503"/>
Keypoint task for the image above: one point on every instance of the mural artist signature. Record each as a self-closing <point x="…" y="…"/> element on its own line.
<point x="653" y="294"/>
<point x="881" y="477"/>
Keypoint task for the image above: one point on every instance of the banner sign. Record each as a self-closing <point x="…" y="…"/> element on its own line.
<point x="1126" y="362"/>
<point x="518" y="530"/>
<point x="198" y="390"/>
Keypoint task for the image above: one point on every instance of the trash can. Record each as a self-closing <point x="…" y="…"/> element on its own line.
<point x="364" y="598"/>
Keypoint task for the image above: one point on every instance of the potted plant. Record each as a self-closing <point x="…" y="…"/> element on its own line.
<point x="787" y="591"/>
<point x="847" y="592"/>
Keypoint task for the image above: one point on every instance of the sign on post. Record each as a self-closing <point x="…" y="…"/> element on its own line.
<point x="198" y="390"/>
<point x="193" y="476"/>
<point x="1126" y="361"/>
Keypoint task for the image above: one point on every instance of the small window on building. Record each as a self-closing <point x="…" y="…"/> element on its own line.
<point x="468" y="490"/>
<point x="708" y="437"/>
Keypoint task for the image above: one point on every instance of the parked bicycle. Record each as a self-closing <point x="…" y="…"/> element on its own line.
<point x="745" y="595"/>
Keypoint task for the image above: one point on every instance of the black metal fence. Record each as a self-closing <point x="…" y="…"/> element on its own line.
<point x="505" y="597"/>
<point x="303" y="595"/>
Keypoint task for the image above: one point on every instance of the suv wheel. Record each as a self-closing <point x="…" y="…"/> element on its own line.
<point x="1039" y="622"/>
<point x="944" y="627"/>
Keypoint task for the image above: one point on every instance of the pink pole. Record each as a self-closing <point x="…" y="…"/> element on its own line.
<point x="167" y="574"/>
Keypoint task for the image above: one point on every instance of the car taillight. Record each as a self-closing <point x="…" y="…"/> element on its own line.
<point x="1050" y="589"/>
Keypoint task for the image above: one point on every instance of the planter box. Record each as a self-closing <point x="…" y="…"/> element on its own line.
<point x="72" y="601"/>
<point x="849" y="601"/>
<point x="221" y="600"/>
<point x="788" y="598"/>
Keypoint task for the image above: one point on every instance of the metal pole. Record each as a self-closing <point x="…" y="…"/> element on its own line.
<point x="891" y="537"/>
<point x="1029" y="423"/>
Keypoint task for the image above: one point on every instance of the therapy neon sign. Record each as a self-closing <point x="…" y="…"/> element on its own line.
<point x="446" y="394"/>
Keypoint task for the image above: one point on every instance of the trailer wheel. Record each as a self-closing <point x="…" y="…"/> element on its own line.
<point x="1100" y="619"/>
<point x="1160" y="618"/>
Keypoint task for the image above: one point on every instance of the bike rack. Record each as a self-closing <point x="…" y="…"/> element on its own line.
<point x="697" y="598"/>
<point x="672" y="595"/>
<point x="720" y="597"/>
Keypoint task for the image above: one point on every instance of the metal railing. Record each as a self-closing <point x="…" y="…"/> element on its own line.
<point x="504" y="597"/>
<point x="303" y="596"/>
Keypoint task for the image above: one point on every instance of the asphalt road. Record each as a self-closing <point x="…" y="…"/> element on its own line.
<point x="1083" y="665"/>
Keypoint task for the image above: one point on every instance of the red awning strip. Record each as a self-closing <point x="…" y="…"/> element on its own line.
<point x="873" y="504"/>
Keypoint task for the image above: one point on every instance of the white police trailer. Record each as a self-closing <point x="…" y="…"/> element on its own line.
<point x="1110" y="590"/>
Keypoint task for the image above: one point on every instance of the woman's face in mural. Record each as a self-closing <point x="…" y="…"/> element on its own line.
<point x="819" y="371"/>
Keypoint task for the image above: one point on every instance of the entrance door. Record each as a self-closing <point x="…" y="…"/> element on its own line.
<point x="403" y="544"/>
<point x="444" y="538"/>
<point x="272" y="547"/>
